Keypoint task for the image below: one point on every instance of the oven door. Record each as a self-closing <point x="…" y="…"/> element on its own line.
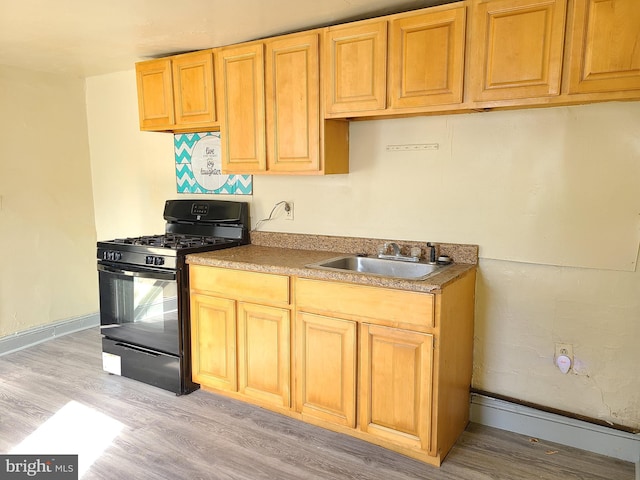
<point x="139" y="306"/>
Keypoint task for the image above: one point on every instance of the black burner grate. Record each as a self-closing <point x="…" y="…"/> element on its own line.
<point x="172" y="241"/>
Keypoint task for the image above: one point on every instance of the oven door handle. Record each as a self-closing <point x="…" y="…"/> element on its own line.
<point x="141" y="274"/>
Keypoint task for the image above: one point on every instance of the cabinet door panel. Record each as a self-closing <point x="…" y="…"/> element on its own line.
<point x="427" y="59"/>
<point x="242" y="121"/>
<point x="326" y="368"/>
<point x="155" y="94"/>
<point x="293" y="103"/>
<point x="605" y="52"/>
<point x="213" y="341"/>
<point x="517" y="50"/>
<point x="193" y="89"/>
<point x="263" y="353"/>
<point x="356" y="68"/>
<point x="396" y="372"/>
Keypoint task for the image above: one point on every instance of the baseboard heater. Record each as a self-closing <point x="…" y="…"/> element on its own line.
<point x="566" y="428"/>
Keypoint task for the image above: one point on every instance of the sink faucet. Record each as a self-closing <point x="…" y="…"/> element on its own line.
<point x="396" y="248"/>
<point x="382" y="253"/>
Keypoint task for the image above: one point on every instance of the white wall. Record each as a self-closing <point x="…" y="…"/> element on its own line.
<point x="47" y="230"/>
<point x="554" y="189"/>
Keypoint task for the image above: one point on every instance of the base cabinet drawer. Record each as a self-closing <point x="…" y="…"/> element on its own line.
<point x="397" y="308"/>
<point x="239" y="284"/>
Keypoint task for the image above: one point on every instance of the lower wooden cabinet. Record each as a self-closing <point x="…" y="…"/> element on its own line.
<point x="388" y="366"/>
<point x="396" y="390"/>
<point x="263" y="353"/>
<point x="326" y="368"/>
<point x="241" y="333"/>
<point x="213" y="341"/>
<point x="410" y="396"/>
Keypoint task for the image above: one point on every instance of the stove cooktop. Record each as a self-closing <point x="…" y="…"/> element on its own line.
<point x="171" y="241"/>
<point x="159" y="251"/>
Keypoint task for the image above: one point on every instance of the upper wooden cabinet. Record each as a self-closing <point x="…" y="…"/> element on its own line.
<point x="193" y="89"/>
<point x="408" y="62"/>
<point x="177" y="93"/>
<point x="271" y="120"/>
<point x="516" y="49"/>
<point x="155" y="94"/>
<point x="356" y="67"/>
<point x="293" y="103"/>
<point x="426" y="58"/>
<point x="281" y="104"/>
<point x="242" y="120"/>
<point x="604" y="53"/>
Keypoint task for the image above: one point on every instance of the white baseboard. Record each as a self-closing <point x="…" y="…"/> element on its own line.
<point x="33" y="336"/>
<point x="556" y="428"/>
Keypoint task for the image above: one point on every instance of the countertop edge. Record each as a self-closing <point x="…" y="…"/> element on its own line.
<point x="287" y="261"/>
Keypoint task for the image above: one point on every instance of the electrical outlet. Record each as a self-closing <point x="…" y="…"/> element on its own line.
<point x="288" y="211"/>
<point x="564" y="349"/>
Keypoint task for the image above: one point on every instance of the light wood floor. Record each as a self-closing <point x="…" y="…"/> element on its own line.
<point x="204" y="436"/>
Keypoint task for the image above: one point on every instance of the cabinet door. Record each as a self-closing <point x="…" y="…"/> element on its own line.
<point x="155" y="94"/>
<point x="396" y="388"/>
<point x="213" y="341"/>
<point x="326" y="368"/>
<point x="517" y="49"/>
<point x="293" y="103"/>
<point x="193" y="89"/>
<point x="426" y="59"/>
<point x="356" y="66"/>
<point x="242" y="116"/>
<point x="605" y="52"/>
<point x="264" y="353"/>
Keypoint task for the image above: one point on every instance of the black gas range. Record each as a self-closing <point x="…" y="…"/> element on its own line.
<point x="144" y="290"/>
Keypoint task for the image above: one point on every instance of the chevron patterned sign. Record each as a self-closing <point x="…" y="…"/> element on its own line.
<point x="198" y="166"/>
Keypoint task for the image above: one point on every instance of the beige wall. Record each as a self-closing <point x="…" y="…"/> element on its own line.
<point x="47" y="231"/>
<point x="551" y="188"/>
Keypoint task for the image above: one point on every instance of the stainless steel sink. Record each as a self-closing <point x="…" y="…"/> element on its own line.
<point x="379" y="266"/>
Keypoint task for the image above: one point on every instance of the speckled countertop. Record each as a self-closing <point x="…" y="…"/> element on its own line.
<point x="288" y="254"/>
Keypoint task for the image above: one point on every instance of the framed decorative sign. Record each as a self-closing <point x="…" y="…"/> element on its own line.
<point x="199" y="169"/>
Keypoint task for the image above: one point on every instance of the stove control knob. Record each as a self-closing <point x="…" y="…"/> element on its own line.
<point x="148" y="260"/>
<point x="117" y="256"/>
<point x="159" y="261"/>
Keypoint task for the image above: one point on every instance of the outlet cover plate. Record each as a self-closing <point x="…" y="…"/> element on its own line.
<point x="564" y="349"/>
